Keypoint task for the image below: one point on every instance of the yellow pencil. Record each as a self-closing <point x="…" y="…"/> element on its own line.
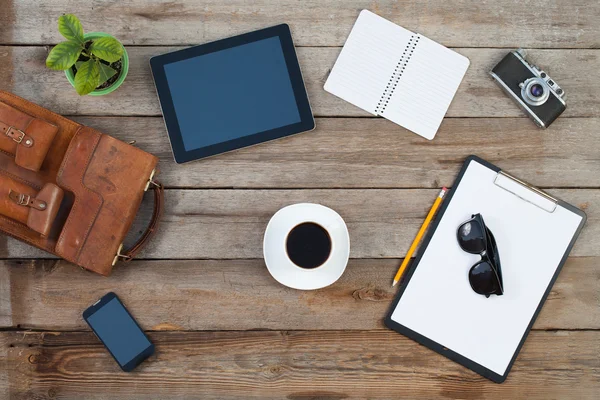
<point x="415" y="243"/>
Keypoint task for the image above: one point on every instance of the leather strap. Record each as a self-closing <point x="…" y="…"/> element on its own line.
<point x="15" y="134"/>
<point x="152" y="227"/>
<point x="26" y="200"/>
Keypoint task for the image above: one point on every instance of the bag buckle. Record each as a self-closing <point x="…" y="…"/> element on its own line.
<point x="24" y="199"/>
<point x="19" y="198"/>
<point x="15" y="134"/>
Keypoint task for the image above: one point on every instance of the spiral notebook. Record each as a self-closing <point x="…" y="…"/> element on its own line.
<point x="400" y="75"/>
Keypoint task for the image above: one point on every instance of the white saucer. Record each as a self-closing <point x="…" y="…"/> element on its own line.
<point x="274" y="246"/>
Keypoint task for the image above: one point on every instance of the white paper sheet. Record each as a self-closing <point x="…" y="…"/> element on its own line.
<point x="367" y="61"/>
<point x="426" y="88"/>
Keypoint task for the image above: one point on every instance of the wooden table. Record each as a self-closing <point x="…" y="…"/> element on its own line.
<point x="223" y="327"/>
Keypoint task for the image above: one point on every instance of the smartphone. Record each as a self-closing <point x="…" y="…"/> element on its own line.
<point x="118" y="331"/>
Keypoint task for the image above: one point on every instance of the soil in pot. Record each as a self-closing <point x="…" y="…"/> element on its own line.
<point x="117" y="66"/>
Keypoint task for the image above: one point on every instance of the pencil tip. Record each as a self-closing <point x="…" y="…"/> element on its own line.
<point x="394" y="284"/>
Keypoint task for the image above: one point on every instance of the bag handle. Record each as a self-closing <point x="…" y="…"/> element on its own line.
<point x="152" y="227"/>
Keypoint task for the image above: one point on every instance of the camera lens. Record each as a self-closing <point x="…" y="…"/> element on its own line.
<point x="536" y="90"/>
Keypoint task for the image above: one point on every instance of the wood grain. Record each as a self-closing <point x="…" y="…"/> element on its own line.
<point x="241" y="295"/>
<point x="292" y="365"/>
<point x="536" y="23"/>
<point x="229" y="224"/>
<point x="26" y="75"/>
<point x="376" y="153"/>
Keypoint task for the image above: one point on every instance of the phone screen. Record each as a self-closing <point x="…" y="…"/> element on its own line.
<point x="119" y="332"/>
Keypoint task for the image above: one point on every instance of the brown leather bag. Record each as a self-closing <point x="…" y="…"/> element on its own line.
<point x="69" y="189"/>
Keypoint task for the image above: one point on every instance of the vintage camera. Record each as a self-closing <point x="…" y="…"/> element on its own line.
<point x="533" y="90"/>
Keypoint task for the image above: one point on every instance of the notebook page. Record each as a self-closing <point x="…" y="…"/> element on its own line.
<point x="367" y="60"/>
<point x="426" y="87"/>
<point x="439" y="303"/>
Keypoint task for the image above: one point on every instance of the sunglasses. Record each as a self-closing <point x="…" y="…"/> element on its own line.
<point x="485" y="276"/>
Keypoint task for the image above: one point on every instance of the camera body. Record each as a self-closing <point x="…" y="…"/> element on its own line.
<point x="531" y="88"/>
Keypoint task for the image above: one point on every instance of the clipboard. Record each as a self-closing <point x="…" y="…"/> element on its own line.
<point x="436" y="306"/>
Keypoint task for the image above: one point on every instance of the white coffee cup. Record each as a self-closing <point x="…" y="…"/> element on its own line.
<point x="295" y="246"/>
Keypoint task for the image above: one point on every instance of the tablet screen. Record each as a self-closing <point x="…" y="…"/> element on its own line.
<point x="232" y="93"/>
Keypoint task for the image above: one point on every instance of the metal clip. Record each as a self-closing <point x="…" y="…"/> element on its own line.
<point x="526" y="192"/>
<point x="13" y="129"/>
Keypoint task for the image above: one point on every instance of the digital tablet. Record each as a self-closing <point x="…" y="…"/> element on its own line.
<point x="232" y="93"/>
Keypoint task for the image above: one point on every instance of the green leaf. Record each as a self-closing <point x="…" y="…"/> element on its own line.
<point x="107" y="48"/>
<point x="70" y="27"/>
<point x="87" y="77"/>
<point x="106" y="73"/>
<point x="78" y="63"/>
<point x="63" y="56"/>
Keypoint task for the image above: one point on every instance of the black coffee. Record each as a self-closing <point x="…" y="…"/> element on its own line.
<point x="308" y="245"/>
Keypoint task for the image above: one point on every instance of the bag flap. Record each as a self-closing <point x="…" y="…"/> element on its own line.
<point x="107" y="178"/>
<point x="42" y="217"/>
<point x="24" y="136"/>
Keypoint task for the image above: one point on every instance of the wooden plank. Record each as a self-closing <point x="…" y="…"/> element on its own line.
<point x="536" y="23"/>
<point x="376" y="153"/>
<point x="229" y="224"/>
<point x="25" y="74"/>
<point x="292" y="365"/>
<point x="5" y="321"/>
<point x="5" y="295"/>
<point x="5" y="385"/>
<point x="197" y="295"/>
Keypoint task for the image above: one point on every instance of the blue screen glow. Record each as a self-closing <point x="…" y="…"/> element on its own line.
<point x="118" y="331"/>
<point x="232" y="93"/>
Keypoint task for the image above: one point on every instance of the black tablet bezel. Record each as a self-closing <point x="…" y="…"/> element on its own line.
<point x="438" y="348"/>
<point x="284" y="34"/>
<point x="135" y="361"/>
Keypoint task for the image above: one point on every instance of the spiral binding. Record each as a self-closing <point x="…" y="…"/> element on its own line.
<point x="397" y="74"/>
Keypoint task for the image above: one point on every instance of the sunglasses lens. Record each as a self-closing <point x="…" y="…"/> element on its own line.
<point x="470" y="237"/>
<point x="482" y="278"/>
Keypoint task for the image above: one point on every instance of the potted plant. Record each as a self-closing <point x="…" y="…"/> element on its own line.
<point x="95" y="63"/>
